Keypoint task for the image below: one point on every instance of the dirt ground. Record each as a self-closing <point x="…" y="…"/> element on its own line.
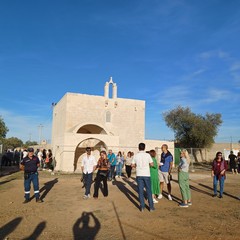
<point x="65" y="215"/>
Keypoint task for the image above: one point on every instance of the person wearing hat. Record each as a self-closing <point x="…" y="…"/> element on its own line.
<point x="30" y="165"/>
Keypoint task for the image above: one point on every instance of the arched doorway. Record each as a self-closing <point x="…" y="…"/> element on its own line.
<point x="96" y="145"/>
<point x="91" y="129"/>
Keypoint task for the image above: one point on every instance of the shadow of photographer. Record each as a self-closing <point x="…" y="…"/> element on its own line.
<point x="82" y="228"/>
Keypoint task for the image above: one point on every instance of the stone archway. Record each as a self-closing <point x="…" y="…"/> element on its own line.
<point x="97" y="145"/>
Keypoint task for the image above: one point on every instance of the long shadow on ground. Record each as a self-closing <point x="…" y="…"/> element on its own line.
<point x="130" y="195"/>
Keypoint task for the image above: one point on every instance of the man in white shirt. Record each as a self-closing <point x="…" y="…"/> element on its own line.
<point x="88" y="167"/>
<point x="142" y="161"/>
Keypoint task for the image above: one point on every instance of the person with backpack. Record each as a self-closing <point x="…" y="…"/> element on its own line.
<point x="219" y="168"/>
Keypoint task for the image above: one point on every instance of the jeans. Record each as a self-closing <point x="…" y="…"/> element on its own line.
<point x="111" y="172"/>
<point x="119" y="169"/>
<point x="88" y="182"/>
<point x="145" y="182"/>
<point x="215" y="183"/>
<point x="101" y="178"/>
<point x="27" y="185"/>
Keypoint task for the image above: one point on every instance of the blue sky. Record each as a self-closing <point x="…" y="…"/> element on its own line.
<point x="168" y="52"/>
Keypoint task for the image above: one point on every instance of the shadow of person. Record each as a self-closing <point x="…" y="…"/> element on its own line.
<point x="199" y="190"/>
<point x="82" y="229"/>
<point x="130" y="195"/>
<point x="47" y="188"/>
<point x="224" y="193"/>
<point x="9" y="227"/>
<point x="131" y="184"/>
<point x="6" y="181"/>
<point x="37" y="232"/>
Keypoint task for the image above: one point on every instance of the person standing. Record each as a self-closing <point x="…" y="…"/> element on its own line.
<point x="154" y="176"/>
<point x="88" y="167"/>
<point x="40" y="157"/>
<point x="143" y="161"/>
<point x="30" y="166"/>
<point x="128" y="164"/>
<point x="112" y="159"/>
<point x="103" y="166"/>
<point x="232" y="162"/>
<point x="238" y="161"/>
<point x="119" y="166"/>
<point x="165" y="168"/>
<point x="219" y="168"/>
<point x="183" y="179"/>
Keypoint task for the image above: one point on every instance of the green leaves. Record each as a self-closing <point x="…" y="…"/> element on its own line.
<point x="192" y="130"/>
<point x="3" y="128"/>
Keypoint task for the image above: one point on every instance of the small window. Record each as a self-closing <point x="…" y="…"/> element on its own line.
<point x="108" y="116"/>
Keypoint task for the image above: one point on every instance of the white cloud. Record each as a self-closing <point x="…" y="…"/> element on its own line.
<point x="215" y="53"/>
<point x="173" y="96"/>
<point x="215" y="95"/>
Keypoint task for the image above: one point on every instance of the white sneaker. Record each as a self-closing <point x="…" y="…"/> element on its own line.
<point x="155" y="201"/>
<point x="169" y="197"/>
<point x="89" y="196"/>
<point x="85" y="197"/>
<point x="160" y="196"/>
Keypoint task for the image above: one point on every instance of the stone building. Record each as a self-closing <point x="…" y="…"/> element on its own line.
<point x="101" y="122"/>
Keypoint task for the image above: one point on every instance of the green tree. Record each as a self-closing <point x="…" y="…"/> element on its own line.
<point x="192" y="130"/>
<point x="11" y="143"/>
<point x="30" y="143"/>
<point x="3" y="128"/>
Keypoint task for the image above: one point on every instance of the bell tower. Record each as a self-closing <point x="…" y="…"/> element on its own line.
<point x="114" y="89"/>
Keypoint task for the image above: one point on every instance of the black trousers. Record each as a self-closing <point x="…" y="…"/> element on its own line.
<point x="128" y="170"/>
<point x="101" y="178"/>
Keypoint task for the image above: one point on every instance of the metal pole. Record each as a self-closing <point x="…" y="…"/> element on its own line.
<point x="40" y="127"/>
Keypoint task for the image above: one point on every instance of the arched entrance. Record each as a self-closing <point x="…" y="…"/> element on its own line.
<point x="91" y="129"/>
<point x="96" y="145"/>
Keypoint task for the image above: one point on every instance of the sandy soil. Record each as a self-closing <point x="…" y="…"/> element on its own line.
<point x="65" y="215"/>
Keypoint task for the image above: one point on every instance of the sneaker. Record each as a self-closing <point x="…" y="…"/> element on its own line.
<point x="89" y="196"/>
<point x="155" y="201"/>
<point x="189" y="203"/>
<point x="160" y="196"/>
<point x="183" y="205"/>
<point x="85" y="197"/>
<point x="26" y="201"/>
<point x="141" y="209"/>
<point x="39" y="200"/>
<point x="220" y="196"/>
<point x="152" y="209"/>
<point x="214" y="195"/>
<point x="169" y="197"/>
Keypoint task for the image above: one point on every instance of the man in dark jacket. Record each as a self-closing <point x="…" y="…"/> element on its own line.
<point x="30" y="166"/>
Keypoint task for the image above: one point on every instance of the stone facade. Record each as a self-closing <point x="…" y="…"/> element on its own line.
<point x="81" y="120"/>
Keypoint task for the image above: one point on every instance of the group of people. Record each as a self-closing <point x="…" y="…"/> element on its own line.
<point x="149" y="174"/>
<point x="234" y="162"/>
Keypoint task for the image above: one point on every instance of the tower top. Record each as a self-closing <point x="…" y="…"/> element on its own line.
<point x="114" y="89"/>
<point x="110" y="81"/>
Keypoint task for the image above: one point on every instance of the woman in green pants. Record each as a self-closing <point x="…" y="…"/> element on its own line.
<point x="183" y="179"/>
